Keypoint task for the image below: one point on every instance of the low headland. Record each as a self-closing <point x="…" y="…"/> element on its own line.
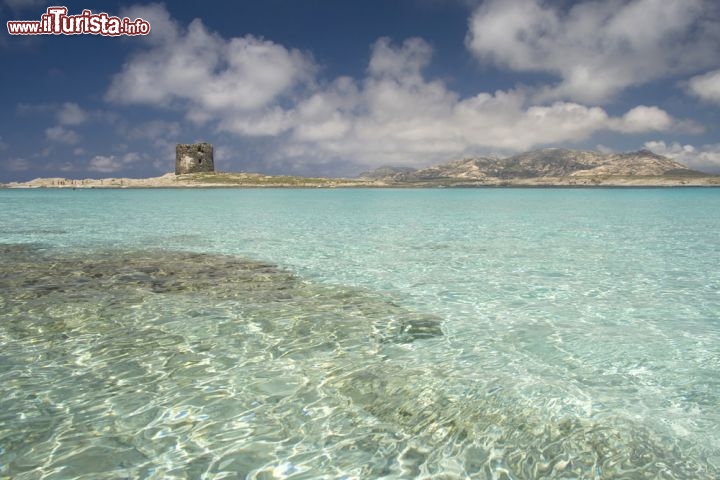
<point x="551" y="167"/>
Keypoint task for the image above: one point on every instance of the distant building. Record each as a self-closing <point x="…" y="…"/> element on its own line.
<point x="194" y="157"/>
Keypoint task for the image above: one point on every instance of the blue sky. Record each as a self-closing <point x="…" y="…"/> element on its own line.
<point x="334" y="87"/>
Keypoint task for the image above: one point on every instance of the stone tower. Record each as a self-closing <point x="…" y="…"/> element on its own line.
<point x="193" y="157"/>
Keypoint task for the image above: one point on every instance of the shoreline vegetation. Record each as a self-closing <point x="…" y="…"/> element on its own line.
<point x="255" y="180"/>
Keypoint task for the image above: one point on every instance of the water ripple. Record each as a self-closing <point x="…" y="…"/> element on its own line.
<point x="166" y="364"/>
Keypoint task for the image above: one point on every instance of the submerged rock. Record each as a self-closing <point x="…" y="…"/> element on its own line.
<point x="203" y="364"/>
<point x="30" y="273"/>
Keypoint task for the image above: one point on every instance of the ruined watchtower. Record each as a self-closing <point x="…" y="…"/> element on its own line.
<point x="193" y="157"/>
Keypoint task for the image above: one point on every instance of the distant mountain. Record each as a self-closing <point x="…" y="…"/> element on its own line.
<point x="545" y="163"/>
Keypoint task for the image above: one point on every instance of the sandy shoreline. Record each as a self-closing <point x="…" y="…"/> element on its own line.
<point x="253" y="180"/>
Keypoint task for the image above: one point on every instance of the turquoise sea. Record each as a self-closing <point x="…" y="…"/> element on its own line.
<point x="360" y="333"/>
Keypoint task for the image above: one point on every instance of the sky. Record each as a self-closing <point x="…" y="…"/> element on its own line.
<point x="337" y="87"/>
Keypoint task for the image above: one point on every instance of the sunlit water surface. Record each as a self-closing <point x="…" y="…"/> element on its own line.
<point x="492" y="333"/>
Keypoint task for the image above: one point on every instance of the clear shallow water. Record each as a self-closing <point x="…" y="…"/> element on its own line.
<point x="360" y="334"/>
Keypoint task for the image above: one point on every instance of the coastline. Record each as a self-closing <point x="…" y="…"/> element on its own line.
<point x="255" y="180"/>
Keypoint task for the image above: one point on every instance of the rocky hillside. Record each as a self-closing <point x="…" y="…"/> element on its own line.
<point x="385" y="172"/>
<point x="545" y="163"/>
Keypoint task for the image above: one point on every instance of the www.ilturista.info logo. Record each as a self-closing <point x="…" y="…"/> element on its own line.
<point x="57" y="22"/>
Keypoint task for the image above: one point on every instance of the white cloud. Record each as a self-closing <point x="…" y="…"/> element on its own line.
<point x="163" y="28"/>
<point x="152" y="130"/>
<point x="401" y="63"/>
<point x="644" y="119"/>
<point x="66" y="114"/>
<point x="596" y="48"/>
<point x="61" y="134"/>
<point x="395" y="115"/>
<point x="162" y="135"/>
<point x="706" y="86"/>
<point x="70" y="113"/>
<point x="210" y="76"/>
<point x="705" y="158"/>
<point x="112" y="163"/>
<point x="17" y="164"/>
<point x="269" y="122"/>
<point x="66" y="167"/>
<point x="102" y="163"/>
<point x="45" y="152"/>
<point x="18" y="5"/>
